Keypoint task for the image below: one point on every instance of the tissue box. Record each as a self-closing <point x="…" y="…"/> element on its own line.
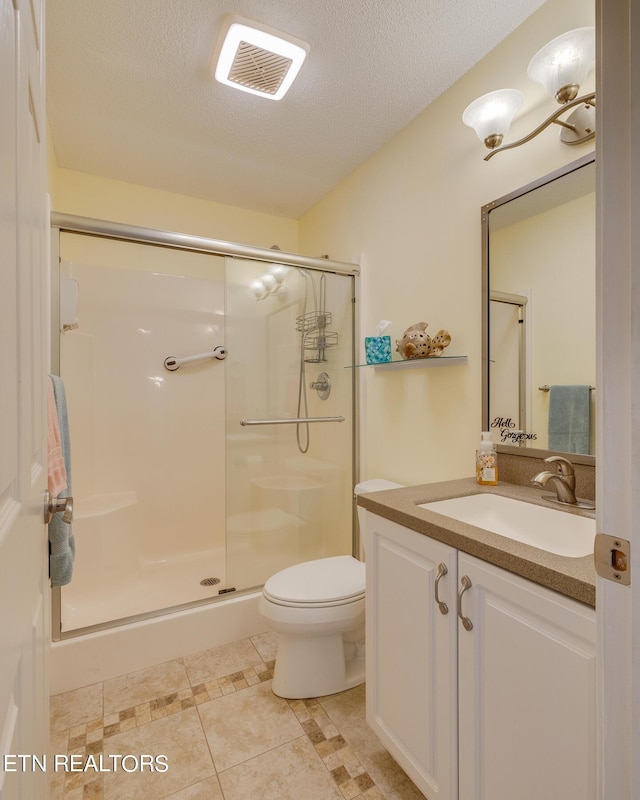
<point x="377" y="349"/>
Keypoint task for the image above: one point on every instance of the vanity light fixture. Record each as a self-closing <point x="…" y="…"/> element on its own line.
<point x="259" y="289"/>
<point x="560" y="66"/>
<point x="257" y="59"/>
<point x="272" y="282"/>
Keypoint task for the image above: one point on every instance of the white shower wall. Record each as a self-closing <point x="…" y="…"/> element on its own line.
<point x="148" y="479"/>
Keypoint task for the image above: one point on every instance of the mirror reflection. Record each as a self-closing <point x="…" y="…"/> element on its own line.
<point x="540" y="313"/>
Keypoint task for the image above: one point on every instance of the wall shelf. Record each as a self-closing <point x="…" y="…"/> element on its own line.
<point x="436" y="361"/>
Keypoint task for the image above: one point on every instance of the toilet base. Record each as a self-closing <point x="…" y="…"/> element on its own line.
<point x="317" y="666"/>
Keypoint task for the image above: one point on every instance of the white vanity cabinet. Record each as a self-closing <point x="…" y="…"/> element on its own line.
<point x="412" y="679"/>
<point x="497" y="708"/>
<point x="527" y="691"/>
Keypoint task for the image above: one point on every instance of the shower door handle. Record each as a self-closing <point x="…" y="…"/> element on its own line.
<point x="57" y="505"/>
<point x="290" y="421"/>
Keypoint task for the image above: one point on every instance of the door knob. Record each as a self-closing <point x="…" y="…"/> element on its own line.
<point x="57" y="505"/>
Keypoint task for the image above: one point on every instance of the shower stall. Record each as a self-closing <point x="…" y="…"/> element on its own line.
<point x="211" y="402"/>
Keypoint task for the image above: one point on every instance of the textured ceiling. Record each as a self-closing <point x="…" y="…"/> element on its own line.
<point x="131" y="96"/>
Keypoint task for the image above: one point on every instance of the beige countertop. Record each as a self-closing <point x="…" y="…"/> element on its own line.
<point x="574" y="577"/>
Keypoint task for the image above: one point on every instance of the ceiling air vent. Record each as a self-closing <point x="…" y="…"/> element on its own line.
<point x="258" y="69"/>
<point x="257" y="59"/>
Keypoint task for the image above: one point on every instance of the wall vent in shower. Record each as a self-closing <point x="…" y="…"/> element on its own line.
<point x="257" y="59"/>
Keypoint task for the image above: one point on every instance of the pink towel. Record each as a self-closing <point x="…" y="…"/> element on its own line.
<point x="57" y="473"/>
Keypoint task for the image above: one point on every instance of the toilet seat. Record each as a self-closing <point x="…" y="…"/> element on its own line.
<point x="325" y="582"/>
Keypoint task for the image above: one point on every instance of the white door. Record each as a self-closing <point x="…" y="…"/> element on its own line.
<point x="526" y="678"/>
<point x="618" y="387"/>
<point x="23" y="338"/>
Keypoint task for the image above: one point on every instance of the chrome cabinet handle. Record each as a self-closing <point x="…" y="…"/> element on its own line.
<point x="442" y="571"/>
<point x="465" y="583"/>
<point x="57" y="505"/>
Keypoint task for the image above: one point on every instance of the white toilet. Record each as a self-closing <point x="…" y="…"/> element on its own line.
<point x="317" y="610"/>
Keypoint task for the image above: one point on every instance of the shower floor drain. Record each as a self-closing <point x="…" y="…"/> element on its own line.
<point x="209" y="581"/>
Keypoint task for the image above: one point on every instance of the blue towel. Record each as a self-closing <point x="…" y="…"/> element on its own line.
<point x="62" y="546"/>
<point x="569" y="419"/>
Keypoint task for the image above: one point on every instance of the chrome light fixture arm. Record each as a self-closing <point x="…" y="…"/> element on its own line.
<point x="579" y="132"/>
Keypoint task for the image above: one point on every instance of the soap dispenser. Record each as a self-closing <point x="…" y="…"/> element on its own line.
<point x="486" y="461"/>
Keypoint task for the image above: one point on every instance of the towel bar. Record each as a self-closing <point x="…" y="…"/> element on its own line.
<point x="291" y="421"/>
<point x="547" y="388"/>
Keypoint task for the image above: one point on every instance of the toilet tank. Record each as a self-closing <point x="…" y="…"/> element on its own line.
<point x="364" y="487"/>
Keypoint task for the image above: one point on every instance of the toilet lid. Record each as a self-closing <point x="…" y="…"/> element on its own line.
<point x="325" y="581"/>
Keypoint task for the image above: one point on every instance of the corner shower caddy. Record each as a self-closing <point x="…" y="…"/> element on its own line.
<point x="317" y="339"/>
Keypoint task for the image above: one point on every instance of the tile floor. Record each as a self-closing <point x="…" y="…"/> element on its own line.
<point x="224" y="734"/>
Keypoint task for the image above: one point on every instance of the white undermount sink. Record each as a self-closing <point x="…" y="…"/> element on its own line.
<point x="548" y="529"/>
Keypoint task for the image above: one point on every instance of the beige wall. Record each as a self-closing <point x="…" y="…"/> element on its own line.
<point x="101" y="198"/>
<point x="411" y="216"/>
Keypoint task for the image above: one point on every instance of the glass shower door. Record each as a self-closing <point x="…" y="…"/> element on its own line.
<point x="289" y="483"/>
<point x="147" y="443"/>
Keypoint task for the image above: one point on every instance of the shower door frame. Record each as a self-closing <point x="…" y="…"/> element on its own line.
<point x="70" y="223"/>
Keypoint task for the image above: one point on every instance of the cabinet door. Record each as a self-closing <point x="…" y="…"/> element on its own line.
<point x="526" y="690"/>
<point x="411" y="653"/>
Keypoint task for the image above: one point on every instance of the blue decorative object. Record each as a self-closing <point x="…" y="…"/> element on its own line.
<point x="377" y="349"/>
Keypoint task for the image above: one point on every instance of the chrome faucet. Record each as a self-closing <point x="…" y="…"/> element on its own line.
<point x="563" y="480"/>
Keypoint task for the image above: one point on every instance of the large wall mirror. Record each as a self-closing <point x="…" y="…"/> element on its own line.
<point x="539" y="341"/>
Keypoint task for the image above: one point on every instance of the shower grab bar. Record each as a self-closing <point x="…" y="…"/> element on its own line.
<point x="172" y="363"/>
<point x="290" y="421"/>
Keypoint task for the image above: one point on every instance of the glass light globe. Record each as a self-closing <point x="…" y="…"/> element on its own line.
<point x="563" y="64"/>
<point x="269" y="281"/>
<point x="279" y="271"/>
<point x="258" y="289"/>
<point x="491" y="115"/>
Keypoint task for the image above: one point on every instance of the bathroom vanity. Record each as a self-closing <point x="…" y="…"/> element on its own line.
<point x="480" y="652"/>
